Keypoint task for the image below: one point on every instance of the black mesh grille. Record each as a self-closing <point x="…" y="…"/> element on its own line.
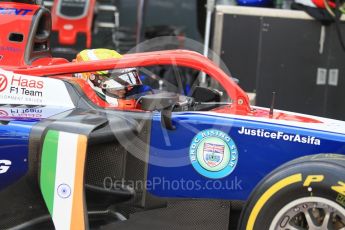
<point x="105" y="161"/>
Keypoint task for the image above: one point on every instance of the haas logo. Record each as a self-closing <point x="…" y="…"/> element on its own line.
<point x="3" y="113"/>
<point x="3" y="82"/>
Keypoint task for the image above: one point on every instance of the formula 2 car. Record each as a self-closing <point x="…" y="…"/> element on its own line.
<point x="75" y="24"/>
<point x="70" y="160"/>
<point x="175" y="163"/>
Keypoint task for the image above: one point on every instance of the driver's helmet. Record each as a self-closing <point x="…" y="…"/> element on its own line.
<point x="111" y="85"/>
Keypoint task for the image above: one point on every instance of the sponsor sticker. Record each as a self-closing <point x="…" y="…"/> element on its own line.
<point x="10" y="49"/>
<point x="279" y="135"/>
<point x="14" y="11"/>
<point x="5" y="166"/>
<point x="39" y="112"/>
<point x="213" y="154"/>
<point x="19" y="89"/>
<point x="24" y="113"/>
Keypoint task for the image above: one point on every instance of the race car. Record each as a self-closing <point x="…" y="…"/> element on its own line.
<point x="75" y="24"/>
<point x="68" y="157"/>
<point x="71" y="160"/>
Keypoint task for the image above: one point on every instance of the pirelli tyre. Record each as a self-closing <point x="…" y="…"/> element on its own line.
<point x="307" y="193"/>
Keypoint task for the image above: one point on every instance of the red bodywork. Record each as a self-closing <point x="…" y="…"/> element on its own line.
<point x="68" y="28"/>
<point x="321" y="4"/>
<point x="12" y="53"/>
<point x="20" y="19"/>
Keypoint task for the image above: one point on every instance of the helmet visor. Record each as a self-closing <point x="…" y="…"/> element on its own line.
<point x="121" y="79"/>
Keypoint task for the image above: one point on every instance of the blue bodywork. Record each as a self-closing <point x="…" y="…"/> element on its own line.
<point x="170" y="170"/>
<point x="170" y="173"/>
<point x="15" y="128"/>
<point x="14" y="147"/>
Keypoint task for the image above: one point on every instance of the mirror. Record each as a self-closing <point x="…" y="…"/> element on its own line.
<point x="160" y="101"/>
<point x="164" y="102"/>
<point x="202" y="94"/>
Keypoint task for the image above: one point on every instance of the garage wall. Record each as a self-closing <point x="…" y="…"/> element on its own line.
<point x="180" y="13"/>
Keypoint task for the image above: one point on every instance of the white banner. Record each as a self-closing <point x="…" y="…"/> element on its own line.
<point x="17" y="89"/>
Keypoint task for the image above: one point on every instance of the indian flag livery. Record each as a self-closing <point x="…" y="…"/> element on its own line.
<point x="62" y="178"/>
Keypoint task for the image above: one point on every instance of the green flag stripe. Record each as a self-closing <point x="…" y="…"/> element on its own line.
<point x="48" y="168"/>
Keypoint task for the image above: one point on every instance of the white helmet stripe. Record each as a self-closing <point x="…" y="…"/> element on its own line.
<point x="111" y="84"/>
<point x="132" y="78"/>
<point x="92" y="55"/>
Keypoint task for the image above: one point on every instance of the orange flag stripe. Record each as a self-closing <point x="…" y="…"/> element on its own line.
<point x="79" y="209"/>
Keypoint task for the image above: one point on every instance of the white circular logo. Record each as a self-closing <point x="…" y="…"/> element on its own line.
<point x="213" y="154"/>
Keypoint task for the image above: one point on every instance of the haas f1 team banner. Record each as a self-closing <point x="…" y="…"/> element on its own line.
<point x="19" y="89"/>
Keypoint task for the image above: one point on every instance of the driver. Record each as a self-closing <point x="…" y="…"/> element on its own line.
<point x="119" y="87"/>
